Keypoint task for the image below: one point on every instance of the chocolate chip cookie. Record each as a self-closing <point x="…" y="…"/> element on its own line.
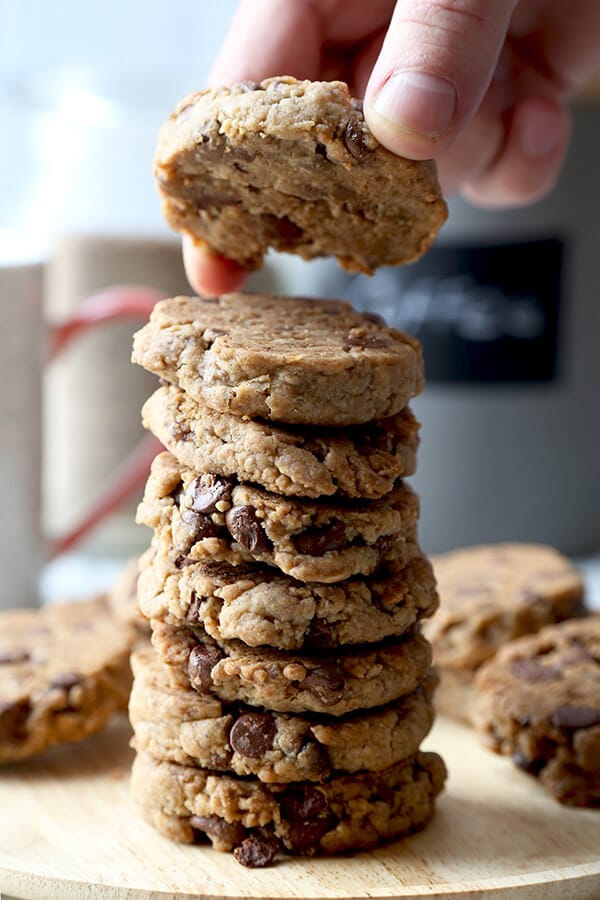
<point x="258" y="821"/>
<point x="64" y="671"/>
<point x="285" y="359"/>
<point x="334" y="682"/>
<point x="258" y="605"/>
<point x="203" y="517"/>
<point x="488" y="596"/>
<point x="364" y="461"/>
<point x="539" y="702"/>
<point x="292" y="165"/>
<point x="189" y="727"/>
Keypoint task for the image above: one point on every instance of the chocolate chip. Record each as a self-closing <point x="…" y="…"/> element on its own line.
<point x="13" y="717"/>
<point x="321" y="150"/>
<point x="201" y="662"/>
<point x="305" y="813"/>
<point x="181" y="561"/>
<point x="245" y="527"/>
<point x="532" y="670"/>
<point x="257" y="850"/>
<point x="288" y="230"/>
<point x="252" y="734"/>
<point x="327" y="682"/>
<point x="230" y="832"/>
<point x="320" y="635"/>
<point x="317" y="541"/>
<point x="198" y="526"/>
<point x="193" y="611"/>
<point x="12" y="657"/>
<point x="66" y="681"/>
<point x="354" y="138"/>
<point x="180" y="431"/>
<point x="531" y="766"/>
<point x="574" y="717"/>
<point x="205" y="492"/>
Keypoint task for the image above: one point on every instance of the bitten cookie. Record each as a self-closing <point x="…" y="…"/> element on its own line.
<point x="210" y="517"/>
<point x="258" y="821"/>
<point x="258" y="605"/>
<point x="539" y="702"/>
<point x="336" y="682"/>
<point x="286" y="359"/>
<point x="364" y="461"/>
<point x="188" y="727"/>
<point x="292" y="165"/>
<point x="488" y="596"/>
<point x="64" y="671"/>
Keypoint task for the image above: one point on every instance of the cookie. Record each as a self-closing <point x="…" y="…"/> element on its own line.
<point x="539" y="702"/>
<point x="258" y="821"/>
<point x="188" y="727"/>
<point x="292" y="165"/>
<point x="364" y="461"/>
<point x="492" y="594"/>
<point x="335" y="682"/>
<point x="257" y="605"/>
<point x="203" y="517"/>
<point x="64" y="671"/>
<point x="122" y="598"/>
<point x="285" y="359"/>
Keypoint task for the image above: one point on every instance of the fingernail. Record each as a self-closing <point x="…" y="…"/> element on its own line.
<point x="417" y="102"/>
<point x="541" y="132"/>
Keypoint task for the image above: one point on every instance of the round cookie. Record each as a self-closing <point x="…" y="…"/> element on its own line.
<point x="492" y="594"/>
<point x="188" y="727"/>
<point x="365" y="461"/>
<point x="210" y="517"/>
<point x="258" y="605"/>
<point x="64" y="671"/>
<point x="285" y="359"/>
<point x="258" y="821"/>
<point x="335" y="683"/>
<point x="539" y="702"/>
<point x="292" y="165"/>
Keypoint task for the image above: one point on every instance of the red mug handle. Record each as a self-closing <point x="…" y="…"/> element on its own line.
<point x="109" y="305"/>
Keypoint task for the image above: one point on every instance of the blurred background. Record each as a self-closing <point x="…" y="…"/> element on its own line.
<point x="506" y="303"/>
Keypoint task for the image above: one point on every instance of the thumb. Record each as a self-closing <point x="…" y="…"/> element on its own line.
<point x="434" y="68"/>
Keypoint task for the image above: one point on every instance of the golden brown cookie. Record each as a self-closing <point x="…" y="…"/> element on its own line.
<point x="64" y="671"/>
<point x="285" y="359"/>
<point x="292" y="165"/>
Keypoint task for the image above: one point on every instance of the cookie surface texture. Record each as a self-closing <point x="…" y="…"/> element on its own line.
<point x="292" y="165"/>
<point x="287" y="359"/>
<point x="259" y="606"/>
<point x="365" y="461"/>
<point x="334" y="683"/>
<point x="207" y="517"/>
<point x="539" y="702"/>
<point x="64" y="671"/>
<point x="188" y="727"/>
<point x="491" y="594"/>
<point x="258" y="821"/>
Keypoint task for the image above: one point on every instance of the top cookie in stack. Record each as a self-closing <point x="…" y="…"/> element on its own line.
<point x="292" y="165"/>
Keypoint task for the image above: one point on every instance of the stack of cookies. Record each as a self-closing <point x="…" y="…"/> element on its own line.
<point x="288" y="691"/>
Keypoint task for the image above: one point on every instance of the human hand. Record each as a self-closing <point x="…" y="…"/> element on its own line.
<point x="481" y="86"/>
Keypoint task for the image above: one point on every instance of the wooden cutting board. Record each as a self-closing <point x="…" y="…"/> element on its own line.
<point x="68" y="830"/>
